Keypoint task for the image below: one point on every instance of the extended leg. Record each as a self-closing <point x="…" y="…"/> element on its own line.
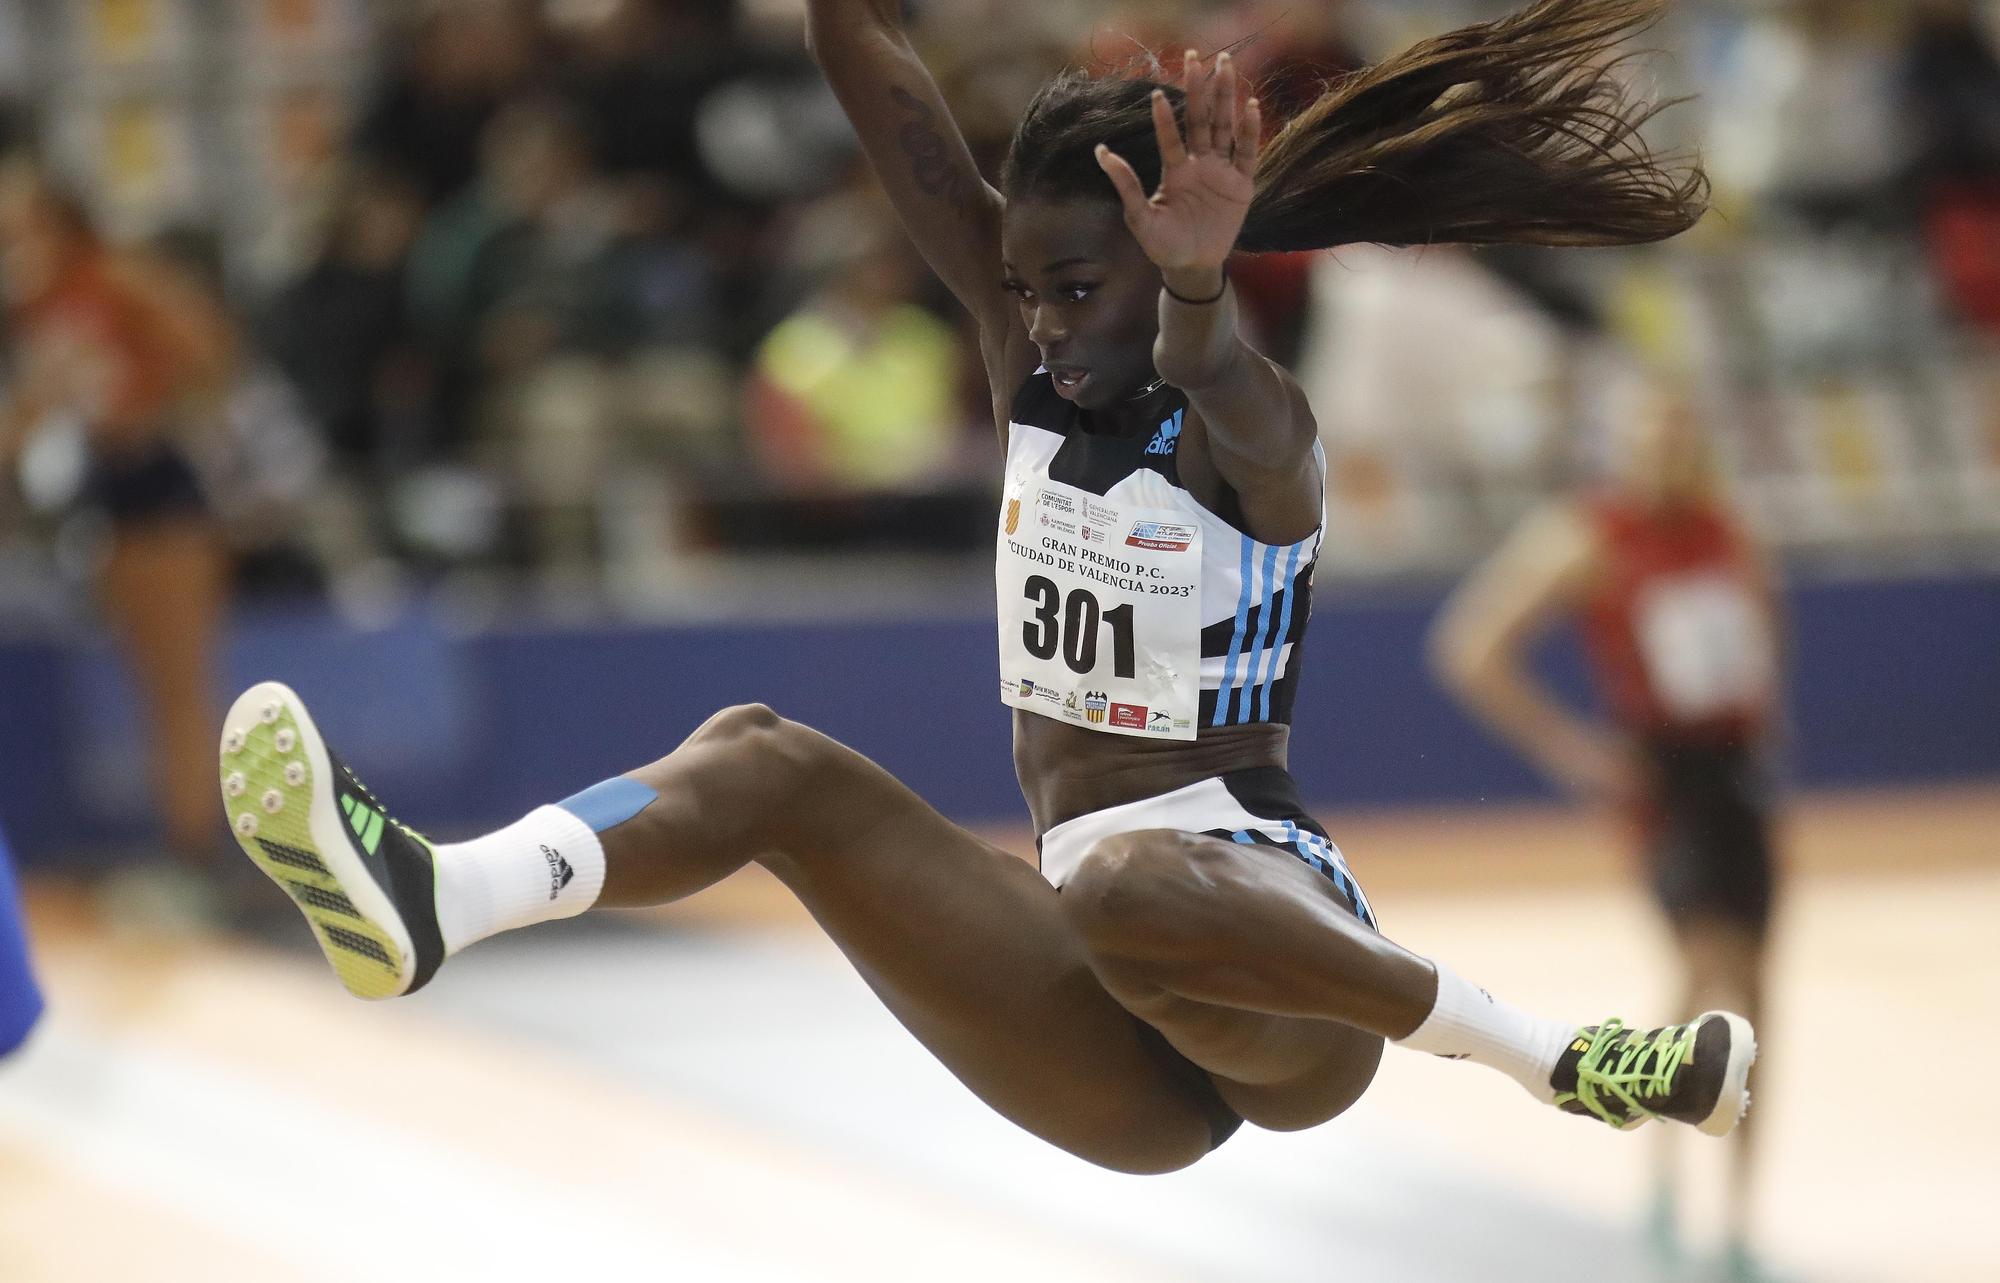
<point x="966" y="945"/>
<point x="1256" y="969"/>
<point x="1252" y="965"/>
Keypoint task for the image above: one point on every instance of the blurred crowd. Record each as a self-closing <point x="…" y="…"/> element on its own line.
<point x="585" y="286"/>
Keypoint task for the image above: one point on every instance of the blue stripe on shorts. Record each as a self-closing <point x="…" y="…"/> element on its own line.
<point x="1315" y="852"/>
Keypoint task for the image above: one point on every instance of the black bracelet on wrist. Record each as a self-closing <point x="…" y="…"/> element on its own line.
<point x="1197" y="302"/>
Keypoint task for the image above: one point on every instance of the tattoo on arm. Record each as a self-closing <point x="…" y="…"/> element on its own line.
<point x="930" y="156"/>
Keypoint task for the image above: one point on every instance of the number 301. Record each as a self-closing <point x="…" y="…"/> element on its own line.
<point x="1072" y="628"/>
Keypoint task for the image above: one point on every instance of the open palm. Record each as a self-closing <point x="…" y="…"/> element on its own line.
<point x="1192" y="221"/>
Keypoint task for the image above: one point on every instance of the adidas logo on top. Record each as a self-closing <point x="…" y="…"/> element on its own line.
<point x="1168" y="436"/>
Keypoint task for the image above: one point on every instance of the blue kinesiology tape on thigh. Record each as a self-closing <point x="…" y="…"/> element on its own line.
<point x="610" y="804"/>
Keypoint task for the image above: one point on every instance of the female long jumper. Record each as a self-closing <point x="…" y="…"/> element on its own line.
<point x="1195" y="951"/>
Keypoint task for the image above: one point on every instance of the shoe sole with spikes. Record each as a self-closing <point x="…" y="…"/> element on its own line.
<point x="1733" y="1101"/>
<point x="363" y="883"/>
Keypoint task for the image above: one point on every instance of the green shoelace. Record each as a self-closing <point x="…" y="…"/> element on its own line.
<point x="1622" y="1080"/>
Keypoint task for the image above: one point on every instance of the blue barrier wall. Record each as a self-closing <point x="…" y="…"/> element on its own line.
<point x="1893" y="682"/>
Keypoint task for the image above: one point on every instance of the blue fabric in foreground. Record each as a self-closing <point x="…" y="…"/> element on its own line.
<point x="610" y="804"/>
<point x="20" y="999"/>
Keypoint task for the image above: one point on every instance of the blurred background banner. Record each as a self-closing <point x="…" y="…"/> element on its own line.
<point x="524" y="380"/>
<point x="907" y="693"/>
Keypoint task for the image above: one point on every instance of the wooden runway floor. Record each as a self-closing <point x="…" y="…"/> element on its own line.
<point x="706" y="1093"/>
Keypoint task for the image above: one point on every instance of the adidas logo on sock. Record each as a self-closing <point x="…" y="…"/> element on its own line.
<point x="560" y="871"/>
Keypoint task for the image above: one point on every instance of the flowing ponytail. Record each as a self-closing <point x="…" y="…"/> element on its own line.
<point x="1515" y="130"/>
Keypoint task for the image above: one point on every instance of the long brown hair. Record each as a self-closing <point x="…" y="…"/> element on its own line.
<point x="1514" y="130"/>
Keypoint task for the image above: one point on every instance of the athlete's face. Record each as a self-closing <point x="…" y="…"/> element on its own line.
<point x="1089" y="296"/>
<point x="1662" y="455"/>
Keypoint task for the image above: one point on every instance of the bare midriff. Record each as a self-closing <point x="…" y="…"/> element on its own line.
<point x="1067" y="771"/>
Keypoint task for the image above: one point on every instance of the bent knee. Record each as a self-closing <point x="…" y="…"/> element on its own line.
<point x="759" y="735"/>
<point x="740" y="721"/>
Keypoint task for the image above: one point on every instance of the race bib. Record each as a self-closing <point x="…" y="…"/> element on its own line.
<point x="1100" y="610"/>
<point x="1705" y="646"/>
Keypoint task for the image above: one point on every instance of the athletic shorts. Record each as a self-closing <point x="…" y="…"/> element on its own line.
<point x="1258" y="808"/>
<point x="152" y="482"/>
<point x="20" y="999"/>
<point x="1708" y="835"/>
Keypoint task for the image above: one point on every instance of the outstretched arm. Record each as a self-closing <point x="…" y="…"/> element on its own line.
<point x="1479" y="644"/>
<point x="951" y="212"/>
<point x="1257" y="431"/>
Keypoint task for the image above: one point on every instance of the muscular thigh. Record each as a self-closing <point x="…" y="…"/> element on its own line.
<point x="1280" y="1072"/>
<point x="1284" y="1073"/>
<point x="964" y="943"/>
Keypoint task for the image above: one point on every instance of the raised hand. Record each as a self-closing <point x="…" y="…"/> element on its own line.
<point x="1192" y="221"/>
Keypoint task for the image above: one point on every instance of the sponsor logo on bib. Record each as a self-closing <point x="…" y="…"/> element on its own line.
<point x="1160" y="536"/>
<point x="1013" y="515"/>
<point x="1094" y="704"/>
<point x="1130" y="716"/>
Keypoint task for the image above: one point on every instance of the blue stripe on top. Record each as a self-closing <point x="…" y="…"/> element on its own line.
<point x="1284" y="631"/>
<point x="1226" y="694"/>
<point x="1263" y="590"/>
<point x="1265" y="593"/>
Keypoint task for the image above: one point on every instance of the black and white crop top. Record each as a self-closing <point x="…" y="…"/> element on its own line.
<point x="1125" y="605"/>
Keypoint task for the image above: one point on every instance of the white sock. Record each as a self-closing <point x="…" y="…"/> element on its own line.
<point x="545" y="865"/>
<point x="1469" y="1023"/>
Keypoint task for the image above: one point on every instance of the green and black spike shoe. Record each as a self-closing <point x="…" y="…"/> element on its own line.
<point x="365" y="883"/>
<point x="1697" y="1073"/>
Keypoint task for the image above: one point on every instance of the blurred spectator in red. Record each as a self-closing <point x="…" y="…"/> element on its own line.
<point x="113" y="351"/>
<point x="1682" y="623"/>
